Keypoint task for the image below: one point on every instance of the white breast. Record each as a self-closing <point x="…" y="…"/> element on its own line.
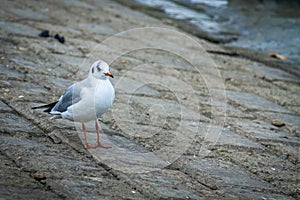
<point x="95" y="101"/>
<point x="104" y="97"/>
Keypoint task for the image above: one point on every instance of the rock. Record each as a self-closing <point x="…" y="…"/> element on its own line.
<point x="61" y="39"/>
<point x="54" y="136"/>
<point x="277" y="56"/>
<point x="278" y="123"/>
<point x="44" y="33"/>
<point x="39" y="176"/>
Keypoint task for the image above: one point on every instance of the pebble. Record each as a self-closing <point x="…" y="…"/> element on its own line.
<point x="278" y="123"/>
<point x="55" y="139"/>
<point x="22" y="49"/>
<point x="61" y="39"/>
<point x="39" y="176"/>
<point x="277" y="56"/>
<point x="133" y="191"/>
<point x="44" y="33"/>
<point x="273" y="168"/>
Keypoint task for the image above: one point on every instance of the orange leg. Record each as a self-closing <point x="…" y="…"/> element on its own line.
<point x="87" y="145"/>
<point x="99" y="144"/>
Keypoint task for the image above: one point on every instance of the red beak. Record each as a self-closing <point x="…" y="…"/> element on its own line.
<point x="109" y="74"/>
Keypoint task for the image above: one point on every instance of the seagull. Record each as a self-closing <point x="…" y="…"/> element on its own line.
<point x="86" y="100"/>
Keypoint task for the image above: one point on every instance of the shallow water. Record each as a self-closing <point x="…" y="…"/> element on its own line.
<point x="260" y="25"/>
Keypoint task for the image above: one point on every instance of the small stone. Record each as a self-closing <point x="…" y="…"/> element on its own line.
<point x="105" y="173"/>
<point x="278" y="123"/>
<point x="213" y="187"/>
<point x="277" y="56"/>
<point x="44" y="33"/>
<point x="20" y="79"/>
<point x="273" y="168"/>
<point x="61" y="39"/>
<point x="133" y="191"/>
<point x="54" y="137"/>
<point x="22" y="49"/>
<point x="39" y="176"/>
<point x="43" y="181"/>
<point x="89" y="156"/>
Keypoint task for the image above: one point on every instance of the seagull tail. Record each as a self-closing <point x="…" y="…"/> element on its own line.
<point x="47" y="106"/>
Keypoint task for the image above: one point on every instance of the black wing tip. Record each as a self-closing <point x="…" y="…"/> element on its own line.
<point x="48" y="110"/>
<point x="48" y="106"/>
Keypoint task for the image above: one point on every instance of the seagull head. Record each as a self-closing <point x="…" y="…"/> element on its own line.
<point x="100" y="70"/>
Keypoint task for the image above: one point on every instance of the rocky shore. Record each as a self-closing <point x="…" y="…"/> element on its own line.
<point x="185" y="124"/>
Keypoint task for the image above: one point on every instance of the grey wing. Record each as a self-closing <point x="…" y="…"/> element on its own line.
<point x="70" y="97"/>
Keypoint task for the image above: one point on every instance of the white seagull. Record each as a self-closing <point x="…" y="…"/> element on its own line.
<point x="86" y="100"/>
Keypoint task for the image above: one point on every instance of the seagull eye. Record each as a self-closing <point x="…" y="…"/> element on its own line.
<point x="98" y="68"/>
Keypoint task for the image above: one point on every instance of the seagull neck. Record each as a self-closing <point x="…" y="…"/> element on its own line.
<point x="92" y="79"/>
<point x="104" y="78"/>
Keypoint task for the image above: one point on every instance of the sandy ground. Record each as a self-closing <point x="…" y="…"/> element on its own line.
<point x="185" y="124"/>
